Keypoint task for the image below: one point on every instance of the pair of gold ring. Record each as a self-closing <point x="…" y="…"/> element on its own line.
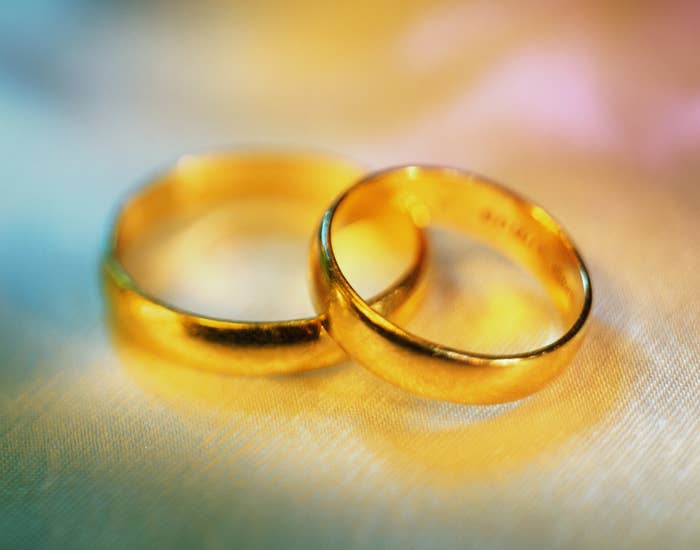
<point x="347" y="325"/>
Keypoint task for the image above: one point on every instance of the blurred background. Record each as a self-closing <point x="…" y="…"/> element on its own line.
<point x="592" y="109"/>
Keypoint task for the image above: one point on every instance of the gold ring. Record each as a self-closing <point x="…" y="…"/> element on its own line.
<point x="199" y="183"/>
<point x="466" y="202"/>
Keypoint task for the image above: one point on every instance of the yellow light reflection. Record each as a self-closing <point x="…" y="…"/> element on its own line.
<point x="477" y="301"/>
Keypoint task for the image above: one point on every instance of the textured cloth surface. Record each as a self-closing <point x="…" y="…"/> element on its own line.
<point x="592" y="111"/>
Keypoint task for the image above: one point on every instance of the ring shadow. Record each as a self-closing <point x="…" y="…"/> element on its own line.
<point x="442" y="442"/>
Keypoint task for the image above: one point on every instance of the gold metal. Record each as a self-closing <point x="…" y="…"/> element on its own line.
<point x="466" y="202"/>
<point x="195" y="185"/>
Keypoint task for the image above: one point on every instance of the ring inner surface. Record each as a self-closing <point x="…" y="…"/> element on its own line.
<point x="206" y="201"/>
<point x="523" y="232"/>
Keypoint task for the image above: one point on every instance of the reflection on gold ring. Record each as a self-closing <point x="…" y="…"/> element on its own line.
<point x="422" y="440"/>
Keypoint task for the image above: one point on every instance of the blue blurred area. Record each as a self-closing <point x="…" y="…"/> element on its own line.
<point x="59" y="182"/>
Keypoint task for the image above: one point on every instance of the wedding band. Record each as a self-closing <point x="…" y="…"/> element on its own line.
<point x="466" y="202"/>
<point x="194" y="185"/>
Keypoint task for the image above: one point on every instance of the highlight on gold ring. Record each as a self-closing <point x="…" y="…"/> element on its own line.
<point x="199" y="183"/>
<point x="519" y="229"/>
